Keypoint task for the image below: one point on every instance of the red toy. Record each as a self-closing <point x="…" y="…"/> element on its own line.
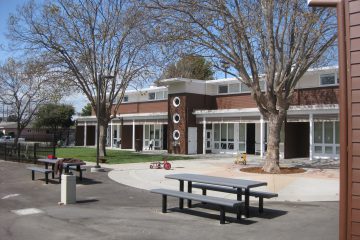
<point x="158" y="165"/>
<point x="50" y="156"/>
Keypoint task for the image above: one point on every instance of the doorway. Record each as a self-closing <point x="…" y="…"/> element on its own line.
<point x="250" y="138"/>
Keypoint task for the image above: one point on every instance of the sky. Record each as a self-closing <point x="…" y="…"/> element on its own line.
<point x="7" y="7"/>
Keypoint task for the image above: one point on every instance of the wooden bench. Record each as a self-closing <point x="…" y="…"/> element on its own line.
<point x="82" y="169"/>
<point x="221" y="202"/>
<point x="42" y="170"/>
<point x="257" y="194"/>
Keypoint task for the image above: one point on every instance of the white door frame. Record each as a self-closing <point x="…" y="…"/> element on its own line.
<point x="192" y="140"/>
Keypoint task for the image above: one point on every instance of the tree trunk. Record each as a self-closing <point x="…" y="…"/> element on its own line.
<point x="273" y="144"/>
<point x="102" y="138"/>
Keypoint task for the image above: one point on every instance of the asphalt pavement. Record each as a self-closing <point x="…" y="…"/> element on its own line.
<point x="105" y="209"/>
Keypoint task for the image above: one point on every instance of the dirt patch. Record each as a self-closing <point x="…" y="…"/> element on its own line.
<point x="283" y="170"/>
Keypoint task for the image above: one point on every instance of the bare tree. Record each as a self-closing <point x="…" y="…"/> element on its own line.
<point x="274" y="40"/>
<point x="87" y="40"/>
<point x="24" y="87"/>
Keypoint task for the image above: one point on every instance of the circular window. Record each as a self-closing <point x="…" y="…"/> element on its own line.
<point x="176" y="135"/>
<point x="176" y="101"/>
<point x="176" y="118"/>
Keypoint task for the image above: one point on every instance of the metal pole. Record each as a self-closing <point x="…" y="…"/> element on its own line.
<point x="97" y="122"/>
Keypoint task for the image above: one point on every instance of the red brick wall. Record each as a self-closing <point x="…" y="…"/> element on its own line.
<point x="143" y="107"/>
<point x="235" y="101"/>
<point x="328" y="95"/>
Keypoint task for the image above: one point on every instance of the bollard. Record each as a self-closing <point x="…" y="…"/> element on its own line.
<point x="68" y="189"/>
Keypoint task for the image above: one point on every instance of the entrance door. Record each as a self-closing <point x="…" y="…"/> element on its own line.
<point x="192" y="140"/>
<point x="250" y="138"/>
<point x="208" y="140"/>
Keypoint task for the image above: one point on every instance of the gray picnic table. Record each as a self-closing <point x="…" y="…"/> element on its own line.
<point x="241" y="185"/>
<point x="65" y="165"/>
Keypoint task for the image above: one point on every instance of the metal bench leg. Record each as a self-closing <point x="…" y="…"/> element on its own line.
<point x="203" y="193"/>
<point x="189" y="191"/>
<point x="222" y="215"/>
<point x="164" y="203"/>
<point x="46" y="178"/>
<point x="32" y="175"/>
<point x="53" y="173"/>
<point x="239" y="194"/>
<point x="238" y="213"/>
<point x="181" y="200"/>
<point x="247" y="208"/>
<point x="261" y="204"/>
<point x="80" y="176"/>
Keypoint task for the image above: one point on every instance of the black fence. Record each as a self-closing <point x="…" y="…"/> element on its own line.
<point x="25" y="152"/>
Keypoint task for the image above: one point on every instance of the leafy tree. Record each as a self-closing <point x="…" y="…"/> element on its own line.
<point x="86" y="110"/>
<point x="190" y="66"/>
<point x="24" y="87"/>
<point x="274" y="41"/>
<point x="99" y="45"/>
<point x="54" y="116"/>
<point x="58" y="118"/>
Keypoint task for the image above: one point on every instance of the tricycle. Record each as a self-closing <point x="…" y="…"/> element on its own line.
<point x="158" y="165"/>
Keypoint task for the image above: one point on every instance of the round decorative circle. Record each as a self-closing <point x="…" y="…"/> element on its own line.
<point x="176" y="118"/>
<point x="176" y="101"/>
<point x="176" y="135"/>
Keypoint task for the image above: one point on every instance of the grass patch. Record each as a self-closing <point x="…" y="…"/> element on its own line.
<point x="113" y="156"/>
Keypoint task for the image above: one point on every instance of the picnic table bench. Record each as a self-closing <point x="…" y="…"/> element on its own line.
<point x="42" y="170"/>
<point x="241" y="186"/>
<point x="221" y="202"/>
<point x="257" y="194"/>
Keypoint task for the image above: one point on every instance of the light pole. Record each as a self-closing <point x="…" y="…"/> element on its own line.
<point x="97" y="167"/>
<point x="225" y="65"/>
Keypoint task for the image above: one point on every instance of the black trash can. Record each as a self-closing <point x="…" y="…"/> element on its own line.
<point x="138" y="145"/>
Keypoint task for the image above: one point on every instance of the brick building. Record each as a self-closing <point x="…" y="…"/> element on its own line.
<point x="220" y="116"/>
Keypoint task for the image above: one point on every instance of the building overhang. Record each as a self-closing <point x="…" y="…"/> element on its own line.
<point x="331" y="109"/>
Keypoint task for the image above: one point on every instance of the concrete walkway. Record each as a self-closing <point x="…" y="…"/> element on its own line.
<point x="316" y="184"/>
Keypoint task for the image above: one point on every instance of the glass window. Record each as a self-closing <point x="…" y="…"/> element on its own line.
<point x="159" y="95"/>
<point x="234" y="88"/>
<point x="242" y="147"/>
<point x="223" y="89"/>
<point x="337" y="132"/>
<point x="337" y="150"/>
<point x="318" y="149"/>
<point x="231" y="132"/>
<point x="328" y="132"/>
<point x="244" y="88"/>
<point x="147" y="136"/>
<point x="242" y="132"/>
<point x="151" y="96"/>
<point x="216" y="132"/>
<point x="157" y="133"/>
<point x="216" y="145"/>
<point x="318" y="132"/>
<point x="126" y="98"/>
<point x="328" y="150"/>
<point x="327" y="79"/>
<point x="223" y="132"/>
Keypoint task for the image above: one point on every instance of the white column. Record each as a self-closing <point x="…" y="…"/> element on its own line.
<point x="311" y="129"/>
<point x="111" y="134"/>
<point x="204" y="135"/>
<point x="85" y="133"/>
<point x="118" y="134"/>
<point x="133" y="135"/>
<point x="262" y="130"/>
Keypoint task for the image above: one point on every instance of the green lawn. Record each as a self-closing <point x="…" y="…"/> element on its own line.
<point x="113" y="156"/>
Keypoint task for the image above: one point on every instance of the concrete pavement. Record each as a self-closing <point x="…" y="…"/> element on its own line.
<point x="316" y="184"/>
<point x="109" y="210"/>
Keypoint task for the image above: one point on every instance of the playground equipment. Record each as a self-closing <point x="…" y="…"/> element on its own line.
<point x="240" y="158"/>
